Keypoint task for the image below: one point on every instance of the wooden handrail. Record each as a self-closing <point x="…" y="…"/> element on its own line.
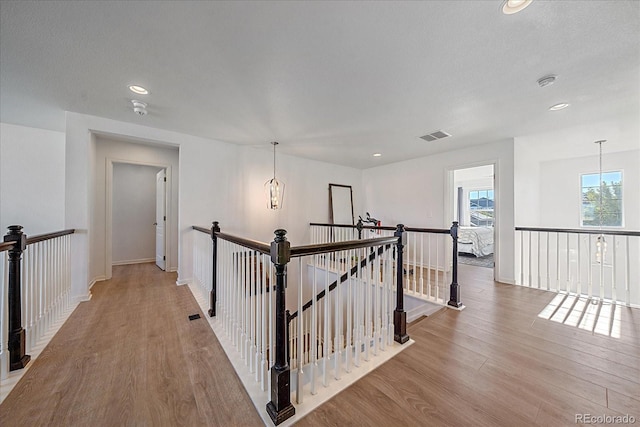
<point x="386" y="228"/>
<point x="202" y="229"/>
<point x="5" y="246"/>
<point x="333" y="225"/>
<point x="48" y="236"/>
<point x="580" y="231"/>
<point x="340" y="246"/>
<point x="256" y="245"/>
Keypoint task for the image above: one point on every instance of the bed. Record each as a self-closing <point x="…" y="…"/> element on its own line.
<point x="477" y="241"/>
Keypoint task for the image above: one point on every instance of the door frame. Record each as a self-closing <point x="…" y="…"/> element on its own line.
<point x="449" y="200"/>
<point x="109" y="211"/>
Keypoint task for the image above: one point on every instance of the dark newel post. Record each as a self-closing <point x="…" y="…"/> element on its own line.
<point x="214" y="272"/>
<point x="280" y="407"/>
<point x="399" y="315"/>
<point x="360" y="226"/>
<point x="288" y="338"/>
<point x="17" y="357"/>
<point x="454" y="300"/>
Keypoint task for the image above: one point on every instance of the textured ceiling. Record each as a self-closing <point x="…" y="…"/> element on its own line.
<point x="333" y="81"/>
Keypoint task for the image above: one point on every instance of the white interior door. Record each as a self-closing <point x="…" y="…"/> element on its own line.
<point x="161" y="218"/>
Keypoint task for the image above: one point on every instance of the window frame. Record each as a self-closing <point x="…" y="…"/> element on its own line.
<point x="493" y="199"/>
<point x="622" y="197"/>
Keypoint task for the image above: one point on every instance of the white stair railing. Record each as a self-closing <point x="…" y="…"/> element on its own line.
<point x="348" y="319"/>
<point x="40" y="269"/>
<point x="247" y="284"/>
<point x="597" y="264"/>
<point x="428" y="255"/>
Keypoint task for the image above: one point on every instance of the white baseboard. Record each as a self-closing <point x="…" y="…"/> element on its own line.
<point x="133" y="261"/>
<point x="181" y="282"/>
<point x="507" y="281"/>
<point x="97" y="279"/>
<point x="77" y="299"/>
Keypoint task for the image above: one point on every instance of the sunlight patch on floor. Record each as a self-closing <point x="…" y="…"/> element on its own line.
<point x="590" y="314"/>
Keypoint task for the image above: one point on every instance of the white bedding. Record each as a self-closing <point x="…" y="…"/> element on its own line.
<point x="475" y="240"/>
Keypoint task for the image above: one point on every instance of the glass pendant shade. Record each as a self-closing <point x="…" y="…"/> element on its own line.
<point x="274" y="191"/>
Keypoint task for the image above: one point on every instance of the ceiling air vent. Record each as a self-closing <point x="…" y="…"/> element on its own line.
<point x="434" y="136"/>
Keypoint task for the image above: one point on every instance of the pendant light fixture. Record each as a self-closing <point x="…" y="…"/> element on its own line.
<point x="274" y="189"/>
<point x="601" y="244"/>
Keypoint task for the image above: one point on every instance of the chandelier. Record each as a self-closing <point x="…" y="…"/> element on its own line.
<point x="274" y="189"/>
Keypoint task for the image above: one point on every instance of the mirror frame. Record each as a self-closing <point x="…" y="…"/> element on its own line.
<point x="331" y="206"/>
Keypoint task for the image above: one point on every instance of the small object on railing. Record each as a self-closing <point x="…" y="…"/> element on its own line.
<point x="280" y="407"/>
<point x="399" y="315"/>
<point x="17" y="339"/>
<point x="359" y="226"/>
<point x="215" y="228"/>
<point x="454" y="300"/>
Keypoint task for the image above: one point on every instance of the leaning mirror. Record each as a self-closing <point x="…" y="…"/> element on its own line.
<point x="341" y="204"/>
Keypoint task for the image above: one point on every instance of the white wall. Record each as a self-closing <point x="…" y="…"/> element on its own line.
<point x="416" y="193"/>
<point x="32" y="164"/>
<point x="568" y="152"/>
<point x="560" y="198"/>
<point x="527" y="184"/>
<point x="306" y="196"/>
<point x="218" y="181"/>
<point x="134" y="213"/>
<point x="110" y="151"/>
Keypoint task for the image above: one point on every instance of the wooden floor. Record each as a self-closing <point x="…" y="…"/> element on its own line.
<point x="496" y="363"/>
<point x="131" y="357"/>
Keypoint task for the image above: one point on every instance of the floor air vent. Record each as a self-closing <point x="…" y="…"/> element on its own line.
<point x="434" y="136"/>
<point x="194" y="316"/>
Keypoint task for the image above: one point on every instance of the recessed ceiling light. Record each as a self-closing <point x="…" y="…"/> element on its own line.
<point x="514" y="6"/>
<point x="560" y="106"/>
<point x="138" y="89"/>
<point x="377" y="154"/>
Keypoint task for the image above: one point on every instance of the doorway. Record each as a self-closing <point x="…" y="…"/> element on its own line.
<point x="136" y="214"/>
<point x="161" y="218"/>
<point x="474" y="207"/>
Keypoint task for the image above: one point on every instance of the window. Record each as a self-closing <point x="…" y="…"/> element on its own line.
<point x="601" y="209"/>
<point x="481" y="208"/>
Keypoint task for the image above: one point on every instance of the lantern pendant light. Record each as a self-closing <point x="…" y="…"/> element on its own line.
<point x="274" y="189"/>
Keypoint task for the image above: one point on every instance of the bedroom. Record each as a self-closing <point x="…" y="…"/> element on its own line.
<point x="473" y="208"/>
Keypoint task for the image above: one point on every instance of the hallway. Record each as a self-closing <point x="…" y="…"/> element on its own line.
<point x="130" y="356"/>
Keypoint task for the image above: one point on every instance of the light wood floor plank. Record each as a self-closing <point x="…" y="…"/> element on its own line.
<point x="130" y="357"/>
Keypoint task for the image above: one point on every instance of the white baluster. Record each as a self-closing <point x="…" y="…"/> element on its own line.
<point x="338" y="338"/>
<point x="264" y="288"/>
<point x="349" y="311"/>
<point x="357" y="312"/>
<point x="313" y="340"/>
<point x="429" y="290"/>
<point x="627" y="273"/>
<point x="327" y="340"/>
<point x="614" y="294"/>
<point x="422" y="264"/>
<point x="300" y="336"/>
